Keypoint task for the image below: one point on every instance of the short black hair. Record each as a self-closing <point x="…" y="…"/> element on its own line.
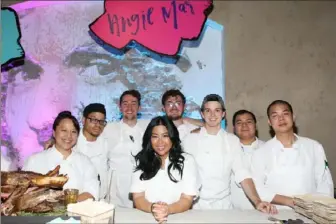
<point x="94" y="107"/>
<point x="132" y="92"/>
<point x="276" y="102"/>
<point x="66" y="115"/>
<point x="213" y="97"/>
<point x="241" y="112"/>
<point x="172" y="92"/>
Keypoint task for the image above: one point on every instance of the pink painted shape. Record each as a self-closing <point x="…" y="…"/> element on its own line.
<point x="159" y="36"/>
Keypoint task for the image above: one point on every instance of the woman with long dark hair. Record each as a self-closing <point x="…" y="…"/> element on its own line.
<point x="165" y="180"/>
<point x="81" y="172"/>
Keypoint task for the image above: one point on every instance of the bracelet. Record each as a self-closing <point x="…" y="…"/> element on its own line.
<point x="151" y="208"/>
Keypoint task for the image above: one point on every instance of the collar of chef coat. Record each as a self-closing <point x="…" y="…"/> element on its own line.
<point x="277" y="144"/>
<point x="56" y="155"/>
<point x="82" y="145"/>
<point x="221" y="132"/>
<point x="254" y="145"/>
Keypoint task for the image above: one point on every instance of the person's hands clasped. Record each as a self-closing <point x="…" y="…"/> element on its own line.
<point x="160" y="211"/>
<point x="266" y="207"/>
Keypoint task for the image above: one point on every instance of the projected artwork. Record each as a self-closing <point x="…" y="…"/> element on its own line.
<point x="66" y="69"/>
<point x="11" y="49"/>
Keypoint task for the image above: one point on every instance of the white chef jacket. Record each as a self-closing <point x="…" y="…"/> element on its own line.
<point x="185" y="129"/>
<point x="6" y="164"/>
<point x="78" y="167"/>
<point x="161" y="188"/>
<point x="298" y="170"/>
<point x="124" y="142"/>
<point x="97" y="152"/>
<point x="238" y="198"/>
<point x="217" y="156"/>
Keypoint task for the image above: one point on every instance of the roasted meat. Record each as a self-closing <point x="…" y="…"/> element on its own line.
<point x="30" y="192"/>
<point x="52" y="179"/>
<point x="34" y="198"/>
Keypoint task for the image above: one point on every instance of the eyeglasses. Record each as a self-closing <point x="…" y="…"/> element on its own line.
<point x="96" y="121"/>
<point x="171" y="104"/>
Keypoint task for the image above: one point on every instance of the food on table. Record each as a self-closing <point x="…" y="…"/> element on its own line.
<point x="30" y="192"/>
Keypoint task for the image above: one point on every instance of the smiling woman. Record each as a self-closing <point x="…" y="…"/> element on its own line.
<point x="72" y="164"/>
<point x="162" y="166"/>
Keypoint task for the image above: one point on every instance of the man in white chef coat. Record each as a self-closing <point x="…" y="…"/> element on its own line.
<point x="288" y="164"/>
<point x="90" y="144"/>
<point x="245" y="128"/>
<point x="173" y="104"/>
<point x="124" y="140"/>
<point x="218" y="154"/>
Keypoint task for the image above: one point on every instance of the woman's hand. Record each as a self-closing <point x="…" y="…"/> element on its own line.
<point x="160" y="211"/>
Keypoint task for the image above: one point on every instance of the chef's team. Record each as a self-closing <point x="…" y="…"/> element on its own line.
<point x="172" y="163"/>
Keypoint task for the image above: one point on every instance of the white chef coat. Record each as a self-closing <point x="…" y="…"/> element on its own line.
<point x="97" y="152"/>
<point x="293" y="171"/>
<point x="6" y="164"/>
<point x="78" y="167"/>
<point x="238" y="198"/>
<point x="161" y="188"/>
<point x="185" y="129"/>
<point x="124" y="142"/>
<point x="216" y="157"/>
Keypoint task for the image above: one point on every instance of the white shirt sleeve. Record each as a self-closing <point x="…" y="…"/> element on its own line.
<point x="190" y="180"/>
<point x="137" y="185"/>
<point x="91" y="183"/>
<point x="31" y="165"/>
<point x="7" y="164"/>
<point x="323" y="178"/>
<point x="258" y="170"/>
<point x="240" y="170"/>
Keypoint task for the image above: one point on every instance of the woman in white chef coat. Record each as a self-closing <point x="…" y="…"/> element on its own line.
<point x="288" y="164"/>
<point x="79" y="169"/>
<point x="165" y="180"/>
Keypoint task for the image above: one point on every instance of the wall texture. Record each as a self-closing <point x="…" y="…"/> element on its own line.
<point x="282" y="50"/>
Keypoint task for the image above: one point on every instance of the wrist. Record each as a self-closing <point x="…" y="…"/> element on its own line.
<point x="256" y="201"/>
<point x="169" y="210"/>
<point x="152" y="207"/>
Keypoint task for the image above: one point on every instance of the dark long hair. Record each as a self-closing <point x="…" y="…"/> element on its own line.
<point x="149" y="162"/>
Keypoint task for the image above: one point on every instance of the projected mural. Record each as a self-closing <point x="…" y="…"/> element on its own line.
<point x="66" y="69"/>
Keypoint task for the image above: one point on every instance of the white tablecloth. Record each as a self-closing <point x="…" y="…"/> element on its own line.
<point x="123" y="215"/>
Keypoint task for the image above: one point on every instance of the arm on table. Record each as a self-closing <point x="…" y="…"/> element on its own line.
<point x="243" y="177"/>
<point x="83" y="196"/>
<point x="141" y="203"/>
<point x="181" y="205"/>
<point x="258" y="171"/>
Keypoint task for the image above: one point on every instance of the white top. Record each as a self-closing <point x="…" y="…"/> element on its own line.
<point x="217" y="156"/>
<point x="7" y="164"/>
<point x="238" y="197"/>
<point x="185" y="129"/>
<point x="161" y="188"/>
<point x="79" y="169"/>
<point x="97" y="151"/>
<point x="293" y="171"/>
<point x="124" y="142"/>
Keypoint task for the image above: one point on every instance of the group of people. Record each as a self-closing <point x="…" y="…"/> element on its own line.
<point x="172" y="163"/>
